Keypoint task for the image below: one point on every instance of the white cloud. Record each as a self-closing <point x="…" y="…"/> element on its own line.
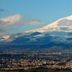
<point x="11" y="23"/>
<point x="34" y="22"/>
<point x="10" y="20"/>
<point x="29" y="22"/>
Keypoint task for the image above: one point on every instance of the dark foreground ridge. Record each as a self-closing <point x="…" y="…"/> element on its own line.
<point x="38" y="70"/>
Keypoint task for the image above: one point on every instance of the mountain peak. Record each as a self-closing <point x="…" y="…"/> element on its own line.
<point x="69" y="17"/>
<point x="62" y="24"/>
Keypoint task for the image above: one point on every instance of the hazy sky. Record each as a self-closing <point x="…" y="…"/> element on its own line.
<point x="33" y="13"/>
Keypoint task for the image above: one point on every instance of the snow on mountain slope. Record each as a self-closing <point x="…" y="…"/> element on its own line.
<point x="59" y="28"/>
<point x="55" y="35"/>
<point x="63" y="24"/>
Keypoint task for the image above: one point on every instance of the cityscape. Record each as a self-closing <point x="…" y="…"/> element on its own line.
<point x="12" y="61"/>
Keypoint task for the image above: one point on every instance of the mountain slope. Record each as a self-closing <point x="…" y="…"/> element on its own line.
<point x="57" y="34"/>
<point x="63" y="24"/>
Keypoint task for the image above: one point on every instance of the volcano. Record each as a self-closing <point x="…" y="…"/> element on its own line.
<point x="54" y="35"/>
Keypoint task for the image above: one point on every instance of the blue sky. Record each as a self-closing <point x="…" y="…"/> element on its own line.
<point x="46" y="11"/>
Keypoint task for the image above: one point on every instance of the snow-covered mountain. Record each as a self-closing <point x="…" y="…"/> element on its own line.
<point x="63" y="24"/>
<point x="56" y="34"/>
